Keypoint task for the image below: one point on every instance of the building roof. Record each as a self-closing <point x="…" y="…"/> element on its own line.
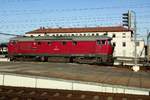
<point x="79" y="30"/>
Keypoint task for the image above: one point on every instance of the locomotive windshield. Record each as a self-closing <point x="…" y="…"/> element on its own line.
<point x="101" y="42"/>
<point x="109" y="42"/>
<point x="104" y="42"/>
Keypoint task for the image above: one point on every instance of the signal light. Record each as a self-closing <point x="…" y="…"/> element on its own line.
<point x="126" y="19"/>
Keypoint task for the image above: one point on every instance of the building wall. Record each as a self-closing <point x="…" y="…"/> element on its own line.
<point x="125" y="45"/>
<point x="123" y="41"/>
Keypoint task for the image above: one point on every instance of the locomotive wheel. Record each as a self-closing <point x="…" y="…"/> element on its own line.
<point x="71" y="60"/>
<point x="44" y="59"/>
<point x="99" y="60"/>
<point x="11" y="59"/>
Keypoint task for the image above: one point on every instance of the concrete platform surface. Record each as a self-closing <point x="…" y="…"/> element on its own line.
<point x="81" y="72"/>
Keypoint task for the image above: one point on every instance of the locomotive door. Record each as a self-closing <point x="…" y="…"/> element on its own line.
<point x="98" y="47"/>
<point x="55" y="47"/>
<point x="15" y="46"/>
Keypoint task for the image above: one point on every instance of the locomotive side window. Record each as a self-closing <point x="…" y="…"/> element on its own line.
<point x="98" y="42"/>
<point x="103" y="42"/>
<point x="39" y="43"/>
<point x="109" y="42"/>
<point x="64" y="43"/>
<point x="49" y="43"/>
<point x="13" y="42"/>
<point x="74" y="43"/>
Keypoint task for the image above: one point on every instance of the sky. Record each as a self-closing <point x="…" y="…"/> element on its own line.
<point x="20" y="16"/>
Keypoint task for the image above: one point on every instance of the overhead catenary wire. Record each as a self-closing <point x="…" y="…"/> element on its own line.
<point x="76" y="21"/>
<point x="5" y="13"/>
<point x="75" y="9"/>
<point x="65" y="19"/>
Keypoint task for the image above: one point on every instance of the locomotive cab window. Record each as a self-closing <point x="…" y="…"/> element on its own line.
<point x="109" y="42"/>
<point x="114" y="35"/>
<point x="98" y="42"/>
<point x="103" y="42"/>
<point x="13" y="42"/>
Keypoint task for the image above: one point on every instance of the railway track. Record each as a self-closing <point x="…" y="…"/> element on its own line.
<point x="20" y="93"/>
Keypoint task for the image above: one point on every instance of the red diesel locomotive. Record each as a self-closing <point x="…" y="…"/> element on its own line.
<point x="79" y="49"/>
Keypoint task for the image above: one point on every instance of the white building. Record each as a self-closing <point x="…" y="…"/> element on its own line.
<point x="122" y="38"/>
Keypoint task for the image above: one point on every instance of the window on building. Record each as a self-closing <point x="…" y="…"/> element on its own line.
<point x="137" y="43"/>
<point x="84" y="34"/>
<point x="123" y="44"/>
<point x="64" y="43"/>
<point x="106" y="33"/>
<point x="114" y="35"/>
<point x="74" y="43"/>
<point x="72" y="34"/>
<point x="124" y="35"/>
<point x="39" y="35"/>
<point x="97" y="34"/>
<point x="92" y="34"/>
<point x="132" y="34"/>
<point x="114" y="44"/>
<point x="45" y="33"/>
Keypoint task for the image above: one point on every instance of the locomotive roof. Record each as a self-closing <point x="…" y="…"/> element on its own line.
<point x="75" y="38"/>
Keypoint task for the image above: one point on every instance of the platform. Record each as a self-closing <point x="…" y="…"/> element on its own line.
<point x="80" y="72"/>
